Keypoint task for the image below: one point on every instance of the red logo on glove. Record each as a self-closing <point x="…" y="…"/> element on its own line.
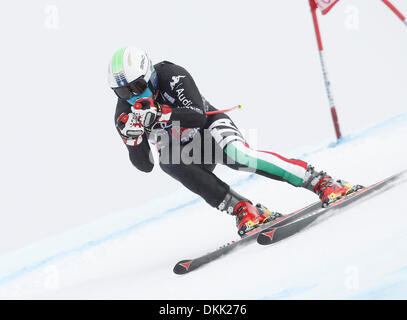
<point x="123" y="117"/>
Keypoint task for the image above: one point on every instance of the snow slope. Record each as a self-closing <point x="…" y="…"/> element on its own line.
<point x="56" y="174"/>
<point x="359" y="253"/>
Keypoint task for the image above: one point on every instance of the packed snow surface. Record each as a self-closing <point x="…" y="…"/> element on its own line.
<point x="356" y="253"/>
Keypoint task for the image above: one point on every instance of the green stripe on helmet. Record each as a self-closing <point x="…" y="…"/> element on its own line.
<point x="117" y="62"/>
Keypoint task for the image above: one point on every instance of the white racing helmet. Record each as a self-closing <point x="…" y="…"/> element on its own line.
<point x="131" y="74"/>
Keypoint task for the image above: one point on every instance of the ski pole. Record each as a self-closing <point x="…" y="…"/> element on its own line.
<point x="396" y="11"/>
<point x="224" y="110"/>
<point x="324" y="69"/>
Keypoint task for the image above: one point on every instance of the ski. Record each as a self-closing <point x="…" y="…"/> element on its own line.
<point x="280" y="228"/>
<point x="188" y="265"/>
<point x="274" y="234"/>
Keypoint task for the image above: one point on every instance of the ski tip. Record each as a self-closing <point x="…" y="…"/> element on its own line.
<point x="266" y="237"/>
<point x="183" y="267"/>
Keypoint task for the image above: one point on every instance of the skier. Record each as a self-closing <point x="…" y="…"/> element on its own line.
<point x="163" y="98"/>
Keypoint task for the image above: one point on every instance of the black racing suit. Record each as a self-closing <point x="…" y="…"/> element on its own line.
<point x="177" y="89"/>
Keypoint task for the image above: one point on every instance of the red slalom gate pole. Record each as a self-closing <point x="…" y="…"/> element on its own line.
<point x="324" y="69"/>
<point x="396" y="11"/>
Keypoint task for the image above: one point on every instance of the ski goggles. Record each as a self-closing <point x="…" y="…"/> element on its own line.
<point x="147" y="94"/>
<point x="134" y="88"/>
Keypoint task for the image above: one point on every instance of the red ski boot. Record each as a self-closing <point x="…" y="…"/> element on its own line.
<point x="249" y="217"/>
<point x="327" y="188"/>
<point x="330" y="190"/>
